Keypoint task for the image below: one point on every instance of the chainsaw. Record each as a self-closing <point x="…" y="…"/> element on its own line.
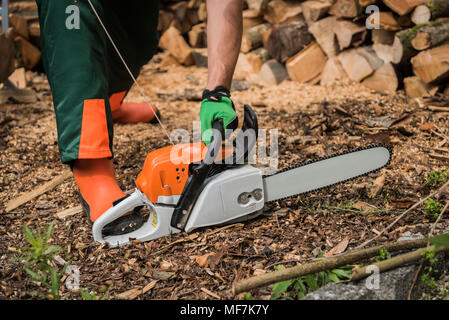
<point x="183" y="193"/>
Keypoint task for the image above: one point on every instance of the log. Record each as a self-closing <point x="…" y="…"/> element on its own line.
<point x="384" y="79"/>
<point x="179" y="9"/>
<point x="402" y="46"/>
<point x="307" y="64"/>
<point x="244" y="68"/>
<point x="345" y="9"/>
<point x="385" y="52"/>
<point x="272" y="73"/>
<point x="366" y="3"/>
<point x="194" y="4"/>
<point x="251" y="19"/>
<point x="405" y="21"/>
<point x="197" y="36"/>
<point x="202" y="11"/>
<point x="280" y="11"/>
<point x="355" y="65"/>
<point x="252" y="38"/>
<point x="257" y="5"/>
<point x="380" y="36"/>
<point x="314" y="10"/>
<point x="23" y="6"/>
<point x="349" y="34"/>
<point x="386" y="21"/>
<point x="8" y="53"/>
<point x="421" y="15"/>
<point x="323" y="264"/>
<point x="257" y="58"/>
<point x="165" y="20"/>
<point x="18" y="78"/>
<point x="438" y="8"/>
<point x="29" y="54"/>
<point x="172" y="41"/>
<point x="265" y="34"/>
<point x="446" y="91"/>
<point x="402" y="7"/>
<point x="431" y="35"/>
<point x="433" y="64"/>
<point x="20" y="25"/>
<point x="323" y="32"/>
<point x="286" y="40"/>
<point x="416" y="88"/>
<point x="34" y="31"/>
<point x="370" y="55"/>
<point x="332" y="72"/>
<point x="200" y="58"/>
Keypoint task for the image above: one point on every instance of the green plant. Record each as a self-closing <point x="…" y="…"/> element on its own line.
<point x="383" y="255"/>
<point x="247" y="296"/>
<point x="297" y="288"/>
<point x="38" y="261"/>
<point x="427" y="277"/>
<point x="432" y="208"/>
<point x="93" y="296"/>
<point x="435" y="179"/>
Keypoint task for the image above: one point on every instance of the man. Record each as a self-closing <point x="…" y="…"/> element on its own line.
<point x="89" y="82"/>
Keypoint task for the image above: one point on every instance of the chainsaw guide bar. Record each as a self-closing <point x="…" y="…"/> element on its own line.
<point x="312" y="161"/>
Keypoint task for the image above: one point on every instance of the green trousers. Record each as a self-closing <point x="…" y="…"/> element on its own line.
<point x="86" y="75"/>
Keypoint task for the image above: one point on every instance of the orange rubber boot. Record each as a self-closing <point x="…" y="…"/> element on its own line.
<point x="99" y="191"/>
<point x="131" y="112"/>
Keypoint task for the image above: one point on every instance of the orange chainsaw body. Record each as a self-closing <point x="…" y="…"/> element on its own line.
<point x="166" y="170"/>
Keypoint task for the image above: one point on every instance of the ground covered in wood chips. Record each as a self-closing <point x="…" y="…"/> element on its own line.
<point x="312" y="121"/>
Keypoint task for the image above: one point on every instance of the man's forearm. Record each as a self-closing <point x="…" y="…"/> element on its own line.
<point x="224" y="35"/>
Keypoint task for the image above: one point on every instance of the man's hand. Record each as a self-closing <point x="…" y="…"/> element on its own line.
<point x="224" y="36"/>
<point x="216" y="105"/>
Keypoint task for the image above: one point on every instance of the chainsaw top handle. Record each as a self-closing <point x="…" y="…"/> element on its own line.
<point x="195" y="182"/>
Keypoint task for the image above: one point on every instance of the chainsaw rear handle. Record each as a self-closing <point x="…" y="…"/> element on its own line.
<point x="195" y="182"/>
<point x="134" y="200"/>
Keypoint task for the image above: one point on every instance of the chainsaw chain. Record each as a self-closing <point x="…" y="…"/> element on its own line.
<point x="298" y="165"/>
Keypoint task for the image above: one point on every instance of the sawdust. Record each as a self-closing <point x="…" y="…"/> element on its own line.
<point x="312" y="121"/>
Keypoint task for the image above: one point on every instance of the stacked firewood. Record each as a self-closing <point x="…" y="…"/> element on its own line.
<point x="19" y="46"/>
<point x="386" y="45"/>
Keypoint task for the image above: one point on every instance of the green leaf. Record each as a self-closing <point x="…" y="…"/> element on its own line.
<point x="441" y="241"/>
<point x="282" y="286"/>
<point x="34" y="275"/>
<point x="333" y="277"/>
<point x="311" y="282"/>
<point x="342" y="273"/>
<point x="300" y="286"/>
<point x="49" y="230"/>
<point x="29" y="236"/>
<point x="87" y="296"/>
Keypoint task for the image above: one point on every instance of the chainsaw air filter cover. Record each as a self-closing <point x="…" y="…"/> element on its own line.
<point x="166" y="170"/>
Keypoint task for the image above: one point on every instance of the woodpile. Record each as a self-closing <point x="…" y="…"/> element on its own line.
<point x="386" y="45"/>
<point x="22" y="50"/>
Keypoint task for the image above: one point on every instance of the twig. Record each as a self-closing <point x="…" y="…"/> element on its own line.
<point x="216" y="296"/>
<point x="402" y="215"/>
<point x="393" y="262"/>
<point x="323" y="264"/>
<point x="27" y="196"/>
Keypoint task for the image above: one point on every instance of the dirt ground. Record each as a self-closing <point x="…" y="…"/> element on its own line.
<point x="313" y="121"/>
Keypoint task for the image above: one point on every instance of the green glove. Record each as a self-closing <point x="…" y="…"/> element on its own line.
<point x="216" y="105"/>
